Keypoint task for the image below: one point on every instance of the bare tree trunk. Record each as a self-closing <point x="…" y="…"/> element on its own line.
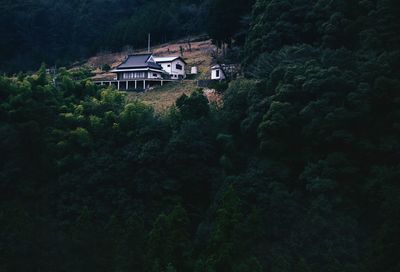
<point x="190" y="45"/>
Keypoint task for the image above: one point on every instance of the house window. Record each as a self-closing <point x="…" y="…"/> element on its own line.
<point x="179" y="67"/>
<point x="217" y="73"/>
<point x="139" y="75"/>
<point x="154" y="75"/>
<point x="128" y="75"/>
<point x="169" y="65"/>
<point x="133" y="75"/>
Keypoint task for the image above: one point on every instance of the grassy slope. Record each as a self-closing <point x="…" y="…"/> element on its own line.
<point x="162" y="98"/>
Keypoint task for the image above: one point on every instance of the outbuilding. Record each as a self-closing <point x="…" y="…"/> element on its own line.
<point x="217" y="72"/>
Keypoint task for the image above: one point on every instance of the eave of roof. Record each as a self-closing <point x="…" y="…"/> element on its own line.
<point x="139" y="61"/>
<point x="137" y="69"/>
<point x="168" y="59"/>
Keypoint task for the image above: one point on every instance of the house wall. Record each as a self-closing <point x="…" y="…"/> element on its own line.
<point x="133" y="75"/>
<point x="214" y="74"/>
<point x="170" y="68"/>
<point x="166" y="68"/>
<point x="154" y="75"/>
<point x="176" y="71"/>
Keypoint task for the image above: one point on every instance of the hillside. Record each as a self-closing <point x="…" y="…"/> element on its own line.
<point x="199" y="53"/>
<point x="295" y="169"/>
<point x="60" y="32"/>
<point x="162" y="98"/>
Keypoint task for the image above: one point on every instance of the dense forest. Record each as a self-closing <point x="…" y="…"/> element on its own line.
<point x="298" y="170"/>
<point x="60" y="32"/>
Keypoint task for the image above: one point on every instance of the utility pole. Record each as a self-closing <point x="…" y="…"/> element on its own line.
<point x="54" y="72"/>
<point x="149" y="43"/>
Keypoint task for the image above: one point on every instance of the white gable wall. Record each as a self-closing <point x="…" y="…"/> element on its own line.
<point x="151" y="59"/>
<point x="167" y="67"/>
<point x="175" y="70"/>
<point x="217" y="74"/>
<point x="171" y="68"/>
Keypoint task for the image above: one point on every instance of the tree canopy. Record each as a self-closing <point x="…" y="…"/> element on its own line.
<point x="297" y="170"/>
<point x="61" y="32"/>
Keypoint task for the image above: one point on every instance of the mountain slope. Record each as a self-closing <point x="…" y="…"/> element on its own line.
<point x="197" y="52"/>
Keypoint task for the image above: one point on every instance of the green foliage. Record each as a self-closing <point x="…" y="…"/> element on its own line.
<point x="219" y="86"/>
<point x="106" y="67"/>
<point x="225" y="19"/>
<point x="226" y="250"/>
<point x="61" y="32"/>
<point x="169" y="242"/>
<point x="222" y="243"/>
<point x="298" y="171"/>
<point x="193" y="107"/>
<point x="366" y="25"/>
<point x="81" y="160"/>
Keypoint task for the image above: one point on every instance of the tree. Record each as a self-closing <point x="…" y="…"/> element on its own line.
<point x="169" y="243"/>
<point x="224" y="19"/>
<point x="225" y="250"/>
<point x="194" y="106"/>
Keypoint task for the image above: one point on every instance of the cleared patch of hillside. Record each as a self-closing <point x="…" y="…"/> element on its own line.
<point x="162" y="98"/>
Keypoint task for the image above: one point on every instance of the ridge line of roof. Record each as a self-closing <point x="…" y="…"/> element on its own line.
<point x="172" y="59"/>
<point x="140" y="54"/>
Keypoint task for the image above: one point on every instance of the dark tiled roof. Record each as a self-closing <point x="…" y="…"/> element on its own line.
<point x="139" y="61"/>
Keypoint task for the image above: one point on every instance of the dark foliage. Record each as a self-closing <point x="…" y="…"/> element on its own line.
<point x="60" y="32"/>
<point x="297" y="172"/>
<point x="227" y="20"/>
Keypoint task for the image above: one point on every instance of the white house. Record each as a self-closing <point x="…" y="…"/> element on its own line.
<point x="143" y="71"/>
<point x="217" y="73"/>
<point x="138" y="71"/>
<point x="174" y="66"/>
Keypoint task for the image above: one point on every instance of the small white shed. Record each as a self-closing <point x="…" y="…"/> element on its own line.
<point x="217" y="73"/>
